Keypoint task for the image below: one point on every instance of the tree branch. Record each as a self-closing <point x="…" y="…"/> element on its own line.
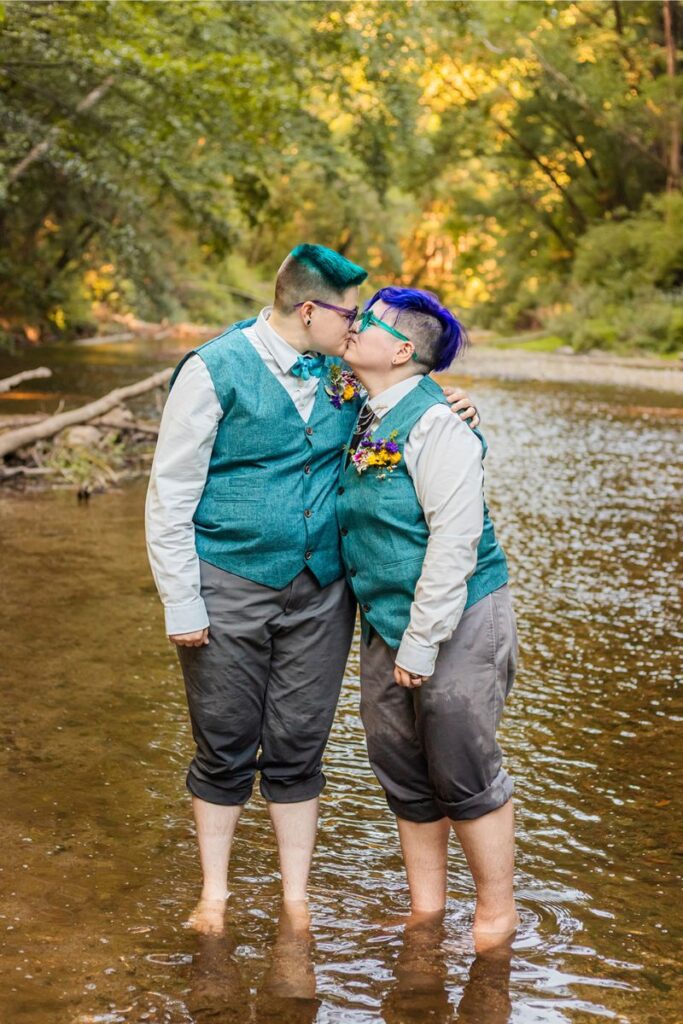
<point x="42" y="147"/>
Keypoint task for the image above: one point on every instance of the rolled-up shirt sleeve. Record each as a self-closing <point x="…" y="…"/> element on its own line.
<point x="444" y="459"/>
<point x="181" y="462"/>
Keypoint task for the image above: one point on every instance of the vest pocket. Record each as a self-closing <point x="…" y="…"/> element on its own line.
<point x="409" y="563"/>
<point x="235" y="492"/>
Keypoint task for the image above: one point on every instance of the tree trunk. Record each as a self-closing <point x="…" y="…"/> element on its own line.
<point x="673" y="179"/>
<point x="15" y="439"/>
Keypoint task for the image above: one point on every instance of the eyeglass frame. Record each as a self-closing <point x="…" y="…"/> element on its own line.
<point x="368" y="319"/>
<point x="350" y="315"/>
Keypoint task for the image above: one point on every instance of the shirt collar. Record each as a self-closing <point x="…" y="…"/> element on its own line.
<point x="282" y="352"/>
<point x="382" y="403"/>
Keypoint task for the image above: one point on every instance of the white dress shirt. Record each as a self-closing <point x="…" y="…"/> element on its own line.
<point x="181" y="463"/>
<point x="443" y="458"/>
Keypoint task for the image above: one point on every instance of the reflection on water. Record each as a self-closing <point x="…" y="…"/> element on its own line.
<point x="99" y="868"/>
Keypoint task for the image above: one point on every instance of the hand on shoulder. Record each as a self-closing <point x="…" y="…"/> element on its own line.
<point x="461" y="404"/>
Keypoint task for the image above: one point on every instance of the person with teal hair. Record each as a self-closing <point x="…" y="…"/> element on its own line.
<point x="244" y="548"/>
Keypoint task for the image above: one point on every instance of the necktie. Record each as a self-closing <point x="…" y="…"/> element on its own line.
<point x="365" y="418"/>
<point x="308" y="366"/>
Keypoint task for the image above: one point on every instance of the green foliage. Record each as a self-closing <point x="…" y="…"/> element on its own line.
<point x="87" y="467"/>
<point x="202" y="108"/>
<point x="627" y="281"/>
<point x="500" y="153"/>
<point x="636" y="252"/>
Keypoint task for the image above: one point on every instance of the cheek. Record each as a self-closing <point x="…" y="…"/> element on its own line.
<point x="370" y="353"/>
<point x="332" y="328"/>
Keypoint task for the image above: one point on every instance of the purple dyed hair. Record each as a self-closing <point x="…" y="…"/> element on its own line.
<point x="453" y="335"/>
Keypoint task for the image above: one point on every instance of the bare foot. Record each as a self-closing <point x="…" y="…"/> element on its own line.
<point x="291" y="974"/>
<point x="413" y="920"/>
<point x="294" y="917"/>
<point x="493" y="931"/>
<point x="208" y="917"/>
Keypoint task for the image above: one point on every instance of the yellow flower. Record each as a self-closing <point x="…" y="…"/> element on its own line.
<point x="396" y="457"/>
<point x="372" y="459"/>
<point x="348" y="393"/>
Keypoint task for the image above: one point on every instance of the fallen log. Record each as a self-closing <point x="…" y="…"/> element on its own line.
<point x="19" y="378"/>
<point x="10" y="422"/>
<point x="135" y="426"/>
<point x="9" y="471"/>
<point x="14" y="439"/>
<point x="104" y="339"/>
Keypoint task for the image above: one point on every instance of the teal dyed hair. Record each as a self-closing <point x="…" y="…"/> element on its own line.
<point x="335" y="270"/>
<point x="314" y="272"/>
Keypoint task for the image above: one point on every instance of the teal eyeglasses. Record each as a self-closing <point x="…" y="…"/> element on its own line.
<point x="368" y="319"/>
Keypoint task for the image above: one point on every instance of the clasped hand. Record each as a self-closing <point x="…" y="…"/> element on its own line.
<point x="199" y="638"/>
<point x="408" y="679"/>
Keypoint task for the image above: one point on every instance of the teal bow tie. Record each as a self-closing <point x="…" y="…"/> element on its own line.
<point x="308" y="366"/>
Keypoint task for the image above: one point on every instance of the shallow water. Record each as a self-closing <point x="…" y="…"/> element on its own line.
<point x="99" y="866"/>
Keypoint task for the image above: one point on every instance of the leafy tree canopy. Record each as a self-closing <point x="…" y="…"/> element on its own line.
<point x="157" y="154"/>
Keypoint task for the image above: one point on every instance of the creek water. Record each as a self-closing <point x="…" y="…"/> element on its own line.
<point x="99" y="867"/>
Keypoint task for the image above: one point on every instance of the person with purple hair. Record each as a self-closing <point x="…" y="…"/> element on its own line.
<point x="439" y="642"/>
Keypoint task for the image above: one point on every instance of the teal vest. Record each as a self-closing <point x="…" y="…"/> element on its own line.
<point x="268" y="507"/>
<point x="384" y="534"/>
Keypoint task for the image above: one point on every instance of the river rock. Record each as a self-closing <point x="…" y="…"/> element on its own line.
<point x="119" y="417"/>
<point x="83" y="435"/>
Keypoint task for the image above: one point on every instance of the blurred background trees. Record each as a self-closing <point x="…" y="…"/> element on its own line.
<point x="521" y="159"/>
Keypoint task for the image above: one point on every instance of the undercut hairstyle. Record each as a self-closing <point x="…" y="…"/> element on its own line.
<point x="438" y="336"/>
<point x="314" y="272"/>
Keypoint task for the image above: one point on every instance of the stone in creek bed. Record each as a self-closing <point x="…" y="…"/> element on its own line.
<point x="119" y="417"/>
<point x="80" y="435"/>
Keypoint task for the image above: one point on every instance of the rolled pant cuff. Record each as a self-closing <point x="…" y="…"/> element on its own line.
<point x="497" y="794"/>
<point x="213" y="794"/>
<point x="422" y="812"/>
<point x="294" y="792"/>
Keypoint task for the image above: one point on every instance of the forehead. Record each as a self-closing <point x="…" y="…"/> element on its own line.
<point x="350" y="296"/>
<point x="380" y="309"/>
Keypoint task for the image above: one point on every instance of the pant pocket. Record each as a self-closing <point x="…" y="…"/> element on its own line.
<point x="513" y="652"/>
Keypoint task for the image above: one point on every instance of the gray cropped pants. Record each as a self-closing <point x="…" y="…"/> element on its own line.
<point x="434" y="748"/>
<point x="263" y="692"/>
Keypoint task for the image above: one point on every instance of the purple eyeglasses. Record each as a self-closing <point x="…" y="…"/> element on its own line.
<point x="348" y="314"/>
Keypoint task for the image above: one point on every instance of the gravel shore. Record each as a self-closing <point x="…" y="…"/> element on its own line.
<point x="599" y="368"/>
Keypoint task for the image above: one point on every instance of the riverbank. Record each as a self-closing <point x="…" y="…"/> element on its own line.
<point x="509" y="362"/>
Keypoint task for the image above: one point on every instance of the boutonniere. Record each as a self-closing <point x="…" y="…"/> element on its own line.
<point x="342" y="386"/>
<point x="379" y="453"/>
